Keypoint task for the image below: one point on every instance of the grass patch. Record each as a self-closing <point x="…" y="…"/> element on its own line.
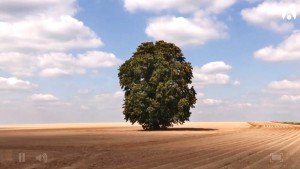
<point x="293" y="123"/>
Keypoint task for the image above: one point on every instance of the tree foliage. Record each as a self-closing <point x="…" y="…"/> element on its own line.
<point x="156" y="83"/>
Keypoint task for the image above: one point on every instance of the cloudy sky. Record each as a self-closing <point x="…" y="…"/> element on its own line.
<point x="59" y="59"/>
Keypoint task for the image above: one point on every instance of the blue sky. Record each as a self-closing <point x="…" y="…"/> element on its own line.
<point x="59" y="59"/>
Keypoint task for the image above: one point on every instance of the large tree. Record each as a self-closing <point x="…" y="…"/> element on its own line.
<point x="156" y="83"/>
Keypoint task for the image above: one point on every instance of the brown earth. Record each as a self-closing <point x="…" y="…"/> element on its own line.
<point x="261" y="145"/>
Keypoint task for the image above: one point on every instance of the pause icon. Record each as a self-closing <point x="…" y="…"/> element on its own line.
<point x="22" y="157"/>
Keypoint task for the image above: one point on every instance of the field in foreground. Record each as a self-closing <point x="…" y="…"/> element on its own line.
<point x="117" y="145"/>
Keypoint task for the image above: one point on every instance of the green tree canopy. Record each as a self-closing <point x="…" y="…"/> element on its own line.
<point x="156" y="83"/>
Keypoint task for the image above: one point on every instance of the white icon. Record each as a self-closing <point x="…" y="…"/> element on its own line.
<point x="276" y="157"/>
<point x="42" y="158"/>
<point x="22" y="157"/>
<point x="289" y="13"/>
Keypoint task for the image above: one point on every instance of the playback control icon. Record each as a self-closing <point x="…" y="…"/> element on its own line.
<point x="42" y="158"/>
<point x="22" y="157"/>
<point x="289" y="13"/>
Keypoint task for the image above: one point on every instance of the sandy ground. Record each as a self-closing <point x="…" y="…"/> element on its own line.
<point x="119" y="145"/>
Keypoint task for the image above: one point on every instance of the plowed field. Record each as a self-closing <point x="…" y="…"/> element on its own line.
<point x="253" y="145"/>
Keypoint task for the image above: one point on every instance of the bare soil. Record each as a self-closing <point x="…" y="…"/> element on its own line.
<point x="231" y="145"/>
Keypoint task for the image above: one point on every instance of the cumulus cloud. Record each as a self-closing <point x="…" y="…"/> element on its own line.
<point x="55" y="64"/>
<point x="45" y="34"/>
<point x="58" y="64"/>
<point x="43" y="26"/>
<point x="48" y="108"/>
<point x="96" y="59"/>
<point x="11" y="10"/>
<point x="196" y="30"/>
<point x="43" y="97"/>
<point x="35" y="38"/>
<point x="186" y="31"/>
<point x="203" y="100"/>
<point x="39" y="38"/>
<point x="15" y="84"/>
<point x="104" y="96"/>
<point x="288" y="50"/>
<point x="290" y="98"/>
<point x="285" y="85"/>
<point x="211" y="102"/>
<point x="183" y="6"/>
<point x="268" y="14"/>
<point x="18" y="64"/>
<point x="286" y="91"/>
<point x="109" y="102"/>
<point x="215" y="67"/>
<point x="213" y="73"/>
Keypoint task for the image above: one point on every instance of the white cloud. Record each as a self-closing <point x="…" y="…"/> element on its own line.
<point x="286" y="91"/>
<point x="259" y="106"/>
<point x="268" y="14"/>
<point x="55" y="64"/>
<point x="54" y="72"/>
<point x="200" y="95"/>
<point x="103" y="103"/>
<point x="96" y="59"/>
<point x="213" y="73"/>
<point x="244" y="105"/>
<point x="84" y="91"/>
<point x="58" y="64"/>
<point x="18" y="64"/>
<point x="290" y="98"/>
<point x="181" y="30"/>
<point x="285" y="85"/>
<point x="35" y="38"/>
<point x="15" y="84"/>
<point x="20" y="9"/>
<point x="48" y="108"/>
<point x="207" y="101"/>
<point x="118" y="94"/>
<point x="211" y="102"/>
<point x="215" y="67"/>
<point x="43" y="34"/>
<point x="183" y="6"/>
<point x="43" y="97"/>
<point x="288" y="50"/>
<point x="115" y="95"/>
<point x="218" y="78"/>
<point x="186" y="31"/>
